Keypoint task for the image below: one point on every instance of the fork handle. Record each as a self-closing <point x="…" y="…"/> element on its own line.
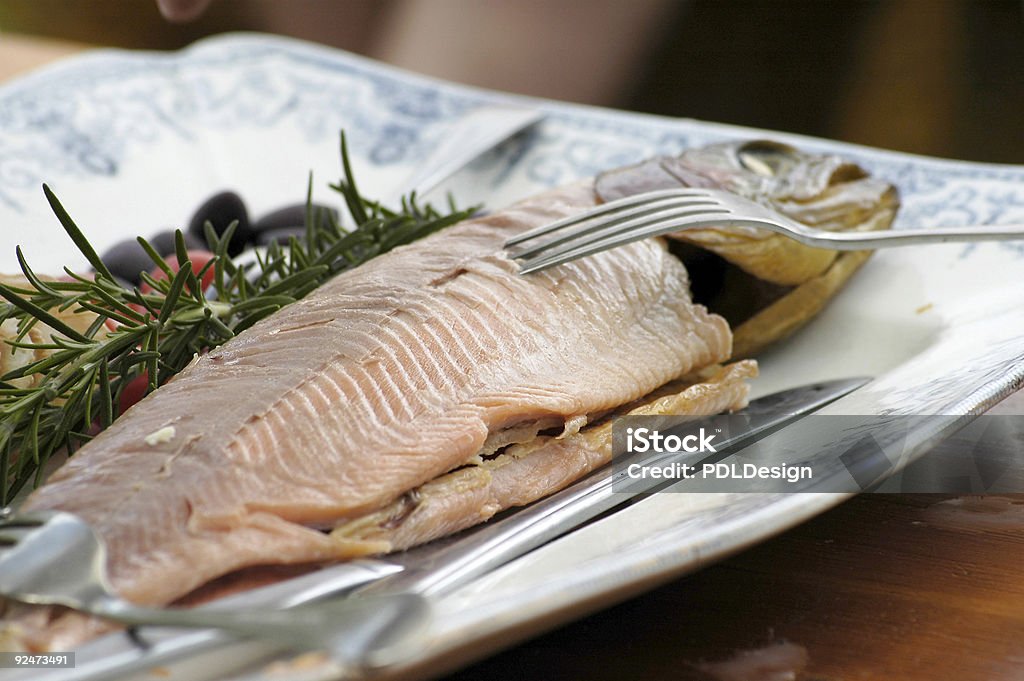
<point x="361" y="633"/>
<point x="856" y="241"/>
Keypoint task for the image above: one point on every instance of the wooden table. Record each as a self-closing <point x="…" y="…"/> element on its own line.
<point x="883" y="587"/>
<point x="871" y="590"/>
<point x="19" y="54"/>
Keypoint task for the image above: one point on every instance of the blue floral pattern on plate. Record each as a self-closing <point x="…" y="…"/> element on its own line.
<point x="82" y="119"/>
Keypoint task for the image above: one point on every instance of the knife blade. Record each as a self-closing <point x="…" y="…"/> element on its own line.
<point x="469" y="138"/>
<point x="442" y="568"/>
<point x="445" y="565"/>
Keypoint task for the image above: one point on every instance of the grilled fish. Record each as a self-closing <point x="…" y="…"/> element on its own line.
<point x="412" y="397"/>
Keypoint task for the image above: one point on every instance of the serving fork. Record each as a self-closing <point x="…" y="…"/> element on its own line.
<point x="665" y="211"/>
<point x="54" y="558"/>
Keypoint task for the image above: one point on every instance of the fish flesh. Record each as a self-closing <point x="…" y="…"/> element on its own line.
<point x="379" y="382"/>
<point x="412" y="397"/>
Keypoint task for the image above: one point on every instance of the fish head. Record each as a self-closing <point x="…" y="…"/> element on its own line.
<point x="765" y="284"/>
<point x="822" y="190"/>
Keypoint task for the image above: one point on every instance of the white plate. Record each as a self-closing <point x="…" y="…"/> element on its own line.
<point x="133" y="142"/>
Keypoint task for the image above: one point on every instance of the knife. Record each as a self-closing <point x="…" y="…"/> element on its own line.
<point x="441" y="566"/>
<point x="444" y="567"/>
<point x="469" y="138"/>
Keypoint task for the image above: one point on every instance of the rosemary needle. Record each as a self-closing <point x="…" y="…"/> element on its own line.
<point x="74" y="390"/>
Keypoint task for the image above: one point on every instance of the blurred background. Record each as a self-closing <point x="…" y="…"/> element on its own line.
<point x="937" y="77"/>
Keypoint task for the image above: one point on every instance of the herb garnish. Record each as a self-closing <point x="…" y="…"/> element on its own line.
<point x="76" y="389"/>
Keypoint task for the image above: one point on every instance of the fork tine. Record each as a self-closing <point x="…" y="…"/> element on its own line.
<point x="11" y="538"/>
<point x="651" y="225"/>
<point x="623" y="217"/>
<point x="602" y="210"/>
<point x="14" y="529"/>
<point x="656" y="224"/>
<point x="25" y="519"/>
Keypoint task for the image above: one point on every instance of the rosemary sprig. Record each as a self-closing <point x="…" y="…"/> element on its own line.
<point x="75" y="389"/>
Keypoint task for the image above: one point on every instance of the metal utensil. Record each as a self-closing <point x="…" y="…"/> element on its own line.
<point x="672" y="210"/>
<point x="54" y="558"/>
<point x="469" y="138"/>
<point x="451" y="566"/>
<point x="443" y="566"/>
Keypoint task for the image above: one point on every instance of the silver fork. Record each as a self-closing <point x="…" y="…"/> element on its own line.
<point x="671" y="210"/>
<point x="54" y="558"/>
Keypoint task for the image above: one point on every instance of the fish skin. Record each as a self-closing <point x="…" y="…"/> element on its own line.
<point x="404" y="370"/>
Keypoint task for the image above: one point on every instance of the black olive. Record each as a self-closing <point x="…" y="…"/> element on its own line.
<point x="220" y="210"/>
<point x="281" y="236"/>
<point x="292" y="216"/>
<point x="127" y="260"/>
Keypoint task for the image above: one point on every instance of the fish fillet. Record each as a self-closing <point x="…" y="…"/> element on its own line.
<point x="381" y="381"/>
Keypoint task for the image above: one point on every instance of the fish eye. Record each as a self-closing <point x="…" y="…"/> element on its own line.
<point x="765" y="158"/>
